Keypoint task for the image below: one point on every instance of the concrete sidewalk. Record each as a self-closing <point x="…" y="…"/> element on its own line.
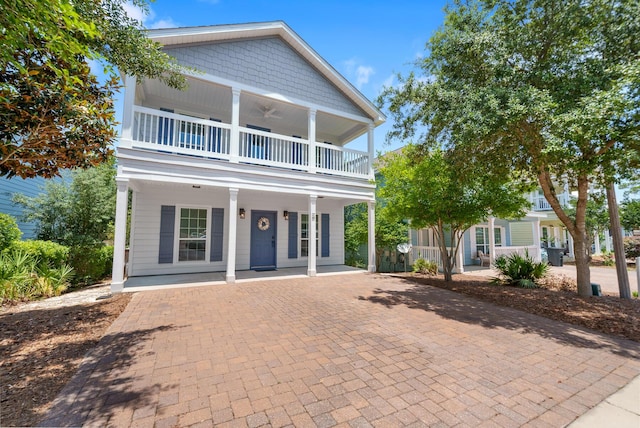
<point x="348" y="350"/>
<point x="620" y="410"/>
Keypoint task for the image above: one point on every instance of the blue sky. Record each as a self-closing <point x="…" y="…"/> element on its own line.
<point x="368" y="42"/>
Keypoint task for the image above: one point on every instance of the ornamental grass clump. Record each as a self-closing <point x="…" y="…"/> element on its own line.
<point x="519" y="271"/>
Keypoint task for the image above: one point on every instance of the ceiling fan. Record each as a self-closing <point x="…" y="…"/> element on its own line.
<point x="269" y="112"/>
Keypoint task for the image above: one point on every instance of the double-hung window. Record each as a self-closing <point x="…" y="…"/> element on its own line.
<point x="304" y="235"/>
<point x="192" y="243"/>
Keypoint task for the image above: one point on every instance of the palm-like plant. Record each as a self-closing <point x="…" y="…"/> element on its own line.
<point x="520" y="271"/>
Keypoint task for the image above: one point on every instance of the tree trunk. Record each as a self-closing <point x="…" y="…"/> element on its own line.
<point x="577" y="227"/>
<point x="583" y="274"/>
<point x="618" y="244"/>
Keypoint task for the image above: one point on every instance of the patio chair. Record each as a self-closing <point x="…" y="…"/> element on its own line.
<point x="484" y="258"/>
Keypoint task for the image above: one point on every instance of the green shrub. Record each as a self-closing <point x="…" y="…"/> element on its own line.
<point x="16" y="275"/>
<point x="608" y="260"/>
<point x="22" y="278"/>
<point x="521" y="271"/>
<point x="426" y="267"/>
<point x="46" y="253"/>
<point x="632" y="247"/>
<point x="91" y="263"/>
<point x="9" y="231"/>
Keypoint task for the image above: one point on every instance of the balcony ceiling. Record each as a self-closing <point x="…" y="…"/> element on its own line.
<point x="210" y="101"/>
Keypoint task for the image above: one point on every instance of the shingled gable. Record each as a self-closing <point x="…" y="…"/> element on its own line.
<point x="268" y="55"/>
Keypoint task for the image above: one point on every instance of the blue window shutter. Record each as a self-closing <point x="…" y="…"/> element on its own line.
<point x="325" y="235"/>
<point x="293" y="235"/>
<point x="167" y="224"/>
<point x="217" y="234"/>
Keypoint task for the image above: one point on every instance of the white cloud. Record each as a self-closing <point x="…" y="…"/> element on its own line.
<point x="163" y="23"/>
<point x="358" y="72"/>
<point x="148" y="20"/>
<point x="135" y="12"/>
<point x="362" y="75"/>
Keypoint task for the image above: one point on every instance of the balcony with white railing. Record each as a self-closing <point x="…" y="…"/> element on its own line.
<point x="162" y="131"/>
<point x="540" y="203"/>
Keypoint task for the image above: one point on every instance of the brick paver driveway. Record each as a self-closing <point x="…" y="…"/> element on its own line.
<point x="352" y="350"/>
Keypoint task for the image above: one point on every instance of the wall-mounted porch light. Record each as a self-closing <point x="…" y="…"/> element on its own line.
<point x="241" y="213"/>
<point x="286" y="215"/>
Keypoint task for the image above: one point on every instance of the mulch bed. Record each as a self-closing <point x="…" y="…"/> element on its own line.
<point x="606" y="314"/>
<point x="41" y="349"/>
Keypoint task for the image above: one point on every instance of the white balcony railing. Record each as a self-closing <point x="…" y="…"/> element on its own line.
<point x="541" y="204"/>
<point x="165" y="131"/>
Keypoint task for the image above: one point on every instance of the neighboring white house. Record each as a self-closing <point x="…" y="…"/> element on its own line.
<point x="235" y="172"/>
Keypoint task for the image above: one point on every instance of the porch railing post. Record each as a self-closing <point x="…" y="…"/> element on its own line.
<point x="312" y="141"/>
<point x="234" y="149"/>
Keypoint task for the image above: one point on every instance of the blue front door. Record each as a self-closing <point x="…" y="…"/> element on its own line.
<point x="263" y="240"/>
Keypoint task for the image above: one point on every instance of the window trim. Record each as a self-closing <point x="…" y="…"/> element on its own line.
<point x="318" y="233"/>
<point x="177" y="239"/>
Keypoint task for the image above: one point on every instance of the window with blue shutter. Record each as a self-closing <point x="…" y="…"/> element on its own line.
<point x="217" y="234"/>
<point x="293" y="235"/>
<point x="325" y="235"/>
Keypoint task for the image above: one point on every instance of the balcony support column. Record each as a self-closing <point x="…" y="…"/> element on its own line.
<point x="371" y="150"/>
<point x="311" y="261"/>
<point x="536" y="240"/>
<point x="312" y="141"/>
<point x="234" y="150"/>
<point x="127" y="109"/>
<point x="233" y="234"/>
<point x="372" y="237"/>
<point x="492" y="240"/>
<point x="120" y="235"/>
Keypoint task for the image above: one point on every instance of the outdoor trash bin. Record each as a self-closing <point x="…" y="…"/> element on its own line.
<point x="595" y="289"/>
<point x="555" y="256"/>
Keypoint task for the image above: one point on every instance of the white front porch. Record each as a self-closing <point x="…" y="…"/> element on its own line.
<point x="156" y="282"/>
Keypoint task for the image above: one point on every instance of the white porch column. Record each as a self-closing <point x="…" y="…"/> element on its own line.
<point x="120" y="235"/>
<point x="372" y="237"/>
<point x="312" y="141"/>
<point x="607" y="241"/>
<point x="127" y="108"/>
<point x="492" y="239"/>
<point x="536" y="240"/>
<point x="371" y="149"/>
<point x="311" y="261"/>
<point x="234" y="149"/>
<point x="596" y="241"/>
<point x="571" y="253"/>
<point x="557" y="237"/>
<point x="460" y="257"/>
<point x="233" y="226"/>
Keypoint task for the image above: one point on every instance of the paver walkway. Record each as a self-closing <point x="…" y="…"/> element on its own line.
<point x="353" y="350"/>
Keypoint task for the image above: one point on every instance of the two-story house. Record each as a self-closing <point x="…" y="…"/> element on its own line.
<point x="247" y="169"/>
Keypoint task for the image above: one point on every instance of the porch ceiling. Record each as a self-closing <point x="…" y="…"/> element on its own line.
<point x="207" y="100"/>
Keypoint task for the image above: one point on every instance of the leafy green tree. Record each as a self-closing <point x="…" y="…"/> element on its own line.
<point x="76" y="213"/>
<point x="429" y="190"/>
<point x="545" y="88"/>
<point x="389" y="232"/>
<point x="55" y="114"/>
<point x="630" y="218"/>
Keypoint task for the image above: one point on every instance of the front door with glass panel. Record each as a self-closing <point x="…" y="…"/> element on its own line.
<point x="263" y="240"/>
